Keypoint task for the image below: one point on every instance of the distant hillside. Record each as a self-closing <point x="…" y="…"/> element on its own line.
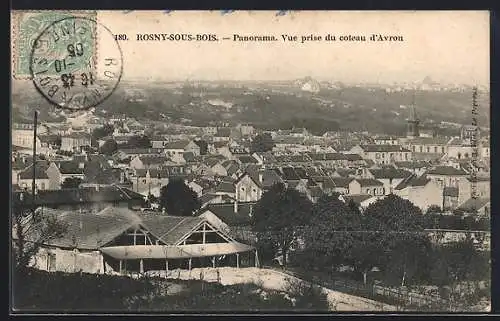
<point x="352" y="108"/>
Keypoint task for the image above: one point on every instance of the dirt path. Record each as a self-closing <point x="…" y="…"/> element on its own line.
<point x="275" y="280"/>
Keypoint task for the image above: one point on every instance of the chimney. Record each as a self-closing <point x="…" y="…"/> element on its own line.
<point x="235" y="206"/>
<point x="81" y="165"/>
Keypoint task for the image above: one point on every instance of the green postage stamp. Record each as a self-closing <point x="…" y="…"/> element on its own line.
<point x="29" y="25"/>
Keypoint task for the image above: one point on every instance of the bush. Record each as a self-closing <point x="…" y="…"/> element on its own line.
<point x="42" y="291"/>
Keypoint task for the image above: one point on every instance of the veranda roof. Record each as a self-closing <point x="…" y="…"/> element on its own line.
<point x="174" y="252"/>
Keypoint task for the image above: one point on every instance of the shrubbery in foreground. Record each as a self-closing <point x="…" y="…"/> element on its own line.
<point x="59" y="292"/>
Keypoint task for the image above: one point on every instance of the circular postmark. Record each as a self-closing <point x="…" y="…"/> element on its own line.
<point x="66" y="69"/>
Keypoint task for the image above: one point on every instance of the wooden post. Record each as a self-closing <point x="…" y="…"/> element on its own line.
<point x="213" y="262"/>
<point x="204" y="233"/>
<point x="237" y="260"/>
<point x="141" y="266"/>
<point x="166" y="267"/>
<point x="121" y="266"/>
<point x="256" y="259"/>
<point x="189" y="264"/>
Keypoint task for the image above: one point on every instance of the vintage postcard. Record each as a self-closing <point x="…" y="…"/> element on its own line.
<point x="250" y="161"/>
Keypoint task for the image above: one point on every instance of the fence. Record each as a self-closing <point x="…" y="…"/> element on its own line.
<point x="400" y="297"/>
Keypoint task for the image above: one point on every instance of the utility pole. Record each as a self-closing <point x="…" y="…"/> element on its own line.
<point x="33" y="183"/>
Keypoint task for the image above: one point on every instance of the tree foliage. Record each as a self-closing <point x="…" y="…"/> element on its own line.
<point x="262" y="143"/>
<point x="103" y="131"/>
<point x="71" y="182"/>
<point x="30" y="230"/>
<point x="109" y="147"/>
<point x="178" y="199"/>
<point x="203" y="146"/>
<point x="280" y="214"/>
<point x="394" y="213"/>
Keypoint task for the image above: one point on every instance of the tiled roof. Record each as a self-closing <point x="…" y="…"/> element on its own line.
<point x="293" y="173"/>
<point x="181" y="144"/>
<point x="139" y="151"/>
<point x="153" y="159"/>
<point x="383" y="148"/>
<point x="369" y="182"/>
<point x="389" y="173"/>
<point x="69" y="167"/>
<point x="168" y="228"/>
<point x="356" y="198"/>
<point x="429" y="140"/>
<point x="226" y="213"/>
<point x="247" y="159"/>
<point x="475" y="204"/>
<point x="345" y="172"/>
<point x="89" y="231"/>
<point x="342" y="181"/>
<point x="413" y="180"/>
<point x="85" y="195"/>
<point x="40" y="171"/>
<point x="446" y="170"/>
<point x="226" y="187"/>
<point x="92" y="231"/>
<point x="412" y="165"/>
<point x="353" y="157"/>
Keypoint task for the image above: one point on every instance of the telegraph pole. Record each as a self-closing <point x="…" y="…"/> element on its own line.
<point x="33" y="183"/>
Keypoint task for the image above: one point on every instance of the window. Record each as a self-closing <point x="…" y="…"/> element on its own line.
<point x="377" y="155"/>
<point x="144" y="181"/>
<point x="374" y="191"/>
<point x="383" y="155"/>
<point x="442" y="150"/>
<point x="254" y="190"/>
<point x="406" y="156"/>
<point x="466" y="155"/>
<point x="435" y="149"/>
<point x="459" y="155"/>
<point x="383" y="191"/>
<point x="414" y="148"/>
<point x="428" y="149"/>
<point x="242" y="189"/>
<point x="42" y="186"/>
<point x="51" y="262"/>
<point x="367" y="191"/>
<point x="421" y="148"/>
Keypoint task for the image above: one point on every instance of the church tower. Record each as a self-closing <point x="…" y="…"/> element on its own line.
<point x="413" y="122"/>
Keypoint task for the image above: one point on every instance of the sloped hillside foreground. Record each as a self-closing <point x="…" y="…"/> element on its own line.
<point x="263" y="290"/>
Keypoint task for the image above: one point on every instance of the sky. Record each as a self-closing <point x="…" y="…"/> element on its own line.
<point x="447" y="46"/>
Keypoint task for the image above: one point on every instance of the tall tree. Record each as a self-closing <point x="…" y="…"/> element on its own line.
<point x="31" y="230"/>
<point x="262" y="143"/>
<point x="71" y="182"/>
<point x="281" y="213"/>
<point x="178" y="199"/>
<point x="404" y="241"/>
<point x="203" y="146"/>
<point x="109" y="147"/>
<point x="103" y="131"/>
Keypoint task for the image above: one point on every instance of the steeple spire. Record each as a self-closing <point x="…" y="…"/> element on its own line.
<point x="413" y="121"/>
